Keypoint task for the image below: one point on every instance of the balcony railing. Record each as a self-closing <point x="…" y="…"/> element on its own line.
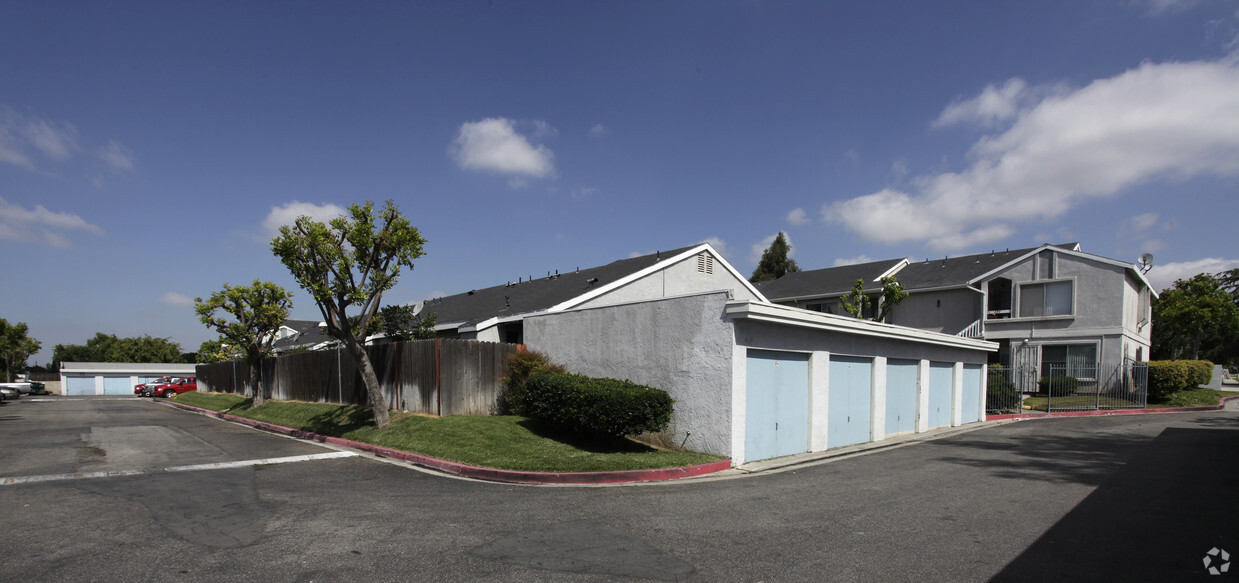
<point x="972" y="331"/>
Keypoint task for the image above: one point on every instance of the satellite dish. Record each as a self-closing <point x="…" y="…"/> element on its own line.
<point x="1146" y="262"/>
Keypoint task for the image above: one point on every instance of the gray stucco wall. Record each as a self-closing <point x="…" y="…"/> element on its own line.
<point x="682" y="345"/>
<point x="947" y="311"/>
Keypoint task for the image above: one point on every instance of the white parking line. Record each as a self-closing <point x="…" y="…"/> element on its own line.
<point x="15" y="480"/>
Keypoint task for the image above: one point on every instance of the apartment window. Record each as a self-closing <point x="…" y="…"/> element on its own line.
<point x="1073" y="360"/>
<point x="1045" y="299"/>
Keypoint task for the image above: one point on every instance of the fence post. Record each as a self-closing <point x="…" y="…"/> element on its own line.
<point x="339" y="378"/>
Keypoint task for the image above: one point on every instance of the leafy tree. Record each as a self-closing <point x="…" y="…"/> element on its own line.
<point x="856" y="302"/>
<point x="16" y="346"/>
<point x="775" y="262"/>
<point x="214" y="351"/>
<point x="892" y="295"/>
<point x="109" y="348"/>
<point x="247" y="316"/>
<point x="401" y="323"/>
<point x="346" y="265"/>
<point x="1194" y="315"/>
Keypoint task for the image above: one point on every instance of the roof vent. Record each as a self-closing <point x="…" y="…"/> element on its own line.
<point x="705" y="263"/>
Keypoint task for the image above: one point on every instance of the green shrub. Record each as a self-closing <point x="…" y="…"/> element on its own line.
<point x="1167" y="377"/>
<point x="1000" y="392"/>
<point x="1063" y="385"/>
<point x="602" y="406"/>
<point x="1200" y="372"/>
<point x="520" y="366"/>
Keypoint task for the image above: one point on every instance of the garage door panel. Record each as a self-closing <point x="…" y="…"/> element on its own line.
<point x="117" y="386"/>
<point x="901" y="378"/>
<point x="970" y="400"/>
<point x="79" y="385"/>
<point x="850" y="395"/>
<point x="776" y="405"/>
<point x="941" y="379"/>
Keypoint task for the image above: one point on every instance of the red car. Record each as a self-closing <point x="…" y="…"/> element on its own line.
<point x="174" y="388"/>
<point x="145" y="389"/>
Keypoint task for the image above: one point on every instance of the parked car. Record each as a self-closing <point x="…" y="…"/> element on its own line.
<point x="9" y="392"/>
<point x="176" y="387"/>
<point x="147" y="389"/>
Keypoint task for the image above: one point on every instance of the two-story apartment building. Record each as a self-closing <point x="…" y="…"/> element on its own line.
<point x="1047" y="305"/>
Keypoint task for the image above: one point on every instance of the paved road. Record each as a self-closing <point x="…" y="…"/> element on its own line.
<point x="1139" y="498"/>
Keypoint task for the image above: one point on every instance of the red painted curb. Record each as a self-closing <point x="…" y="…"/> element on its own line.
<point x="1025" y="416"/>
<point x="491" y="474"/>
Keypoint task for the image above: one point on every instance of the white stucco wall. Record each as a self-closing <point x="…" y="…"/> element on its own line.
<point x="678" y="279"/>
<point x="682" y="345"/>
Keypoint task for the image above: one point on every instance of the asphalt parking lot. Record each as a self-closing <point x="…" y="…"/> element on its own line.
<point x="106" y="489"/>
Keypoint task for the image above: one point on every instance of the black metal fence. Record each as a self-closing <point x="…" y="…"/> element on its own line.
<point x="440" y="377"/>
<point x="1067" y="387"/>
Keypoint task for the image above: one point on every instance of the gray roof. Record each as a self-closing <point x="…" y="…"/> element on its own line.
<point x="538" y="294"/>
<point x="917" y="275"/>
<point x="825" y="281"/>
<point x="309" y="333"/>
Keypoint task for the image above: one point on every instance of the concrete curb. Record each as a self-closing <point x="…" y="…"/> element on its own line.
<point x="490" y="474"/>
<point x="1024" y="416"/>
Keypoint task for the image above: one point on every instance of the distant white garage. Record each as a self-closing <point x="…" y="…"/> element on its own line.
<point x="115" y="378"/>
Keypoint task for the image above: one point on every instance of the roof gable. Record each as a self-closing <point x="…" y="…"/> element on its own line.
<point x="831" y="280"/>
<point x="558" y="291"/>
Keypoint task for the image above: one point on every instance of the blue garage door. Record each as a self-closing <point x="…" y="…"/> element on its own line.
<point x="941" y="376"/>
<point x="79" y="385"/>
<point x="776" y="404"/>
<point x="850" y="393"/>
<point x="901" y="376"/>
<point x="971" y="399"/>
<point x="117" y="386"/>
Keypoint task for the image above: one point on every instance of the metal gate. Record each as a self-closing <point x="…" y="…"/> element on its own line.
<point x="1067" y="387"/>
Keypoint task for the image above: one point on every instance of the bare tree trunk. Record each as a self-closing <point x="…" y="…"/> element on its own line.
<point x="377" y="402"/>
<point x="255" y="381"/>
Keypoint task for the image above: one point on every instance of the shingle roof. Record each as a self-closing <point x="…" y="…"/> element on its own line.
<point x="927" y="274"/>
<point x="309" y="333"/>
<point x="825" y="281"/>
<point x="536" y="295"/>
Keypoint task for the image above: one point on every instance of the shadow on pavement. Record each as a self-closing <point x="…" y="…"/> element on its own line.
<point x="1154" y="519"/>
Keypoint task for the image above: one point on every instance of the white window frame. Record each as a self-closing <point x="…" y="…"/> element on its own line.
<point x="1019" y="299"/>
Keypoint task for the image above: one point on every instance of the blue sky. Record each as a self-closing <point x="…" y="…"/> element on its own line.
<point x="149" y="149"/>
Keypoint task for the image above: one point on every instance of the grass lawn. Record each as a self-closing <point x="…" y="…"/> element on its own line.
<point x="503" y="442"/>
<point x="1192" y="398"/>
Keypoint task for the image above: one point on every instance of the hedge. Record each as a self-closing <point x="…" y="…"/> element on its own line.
<point x="1200" y="372"/>
<point x="596" y="405"/>
<point x="520" y="366"/>
<point x="1063" y="385"/>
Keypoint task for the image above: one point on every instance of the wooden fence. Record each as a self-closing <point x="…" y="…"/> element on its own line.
<point x="440" y="377"/>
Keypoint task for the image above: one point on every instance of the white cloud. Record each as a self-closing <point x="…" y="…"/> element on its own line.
<point x="1158" y="121"/>
<point x="760" y="247"/>
<point x="718" y="245"/>
<point x="899" y="170"/>
<point x="798" y="217"/>
<point x="995" y="104"/>
<point x="18" y="223"/>
<point x="853" y="260"/>
<point x="598" y="131"/>
<point x="1162" y="6"/>
<point x="20" y="134"/>
<point x="117" y="156"/>
<point x="584" y="192"/>
<point x="1164" y="276"/>
<point x="287" y="214"/>
<point x="1141" y="222"/>
<point x="1152" y="246"/>
<point x="493" y="145"/>
<point x="175" y="299"/>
